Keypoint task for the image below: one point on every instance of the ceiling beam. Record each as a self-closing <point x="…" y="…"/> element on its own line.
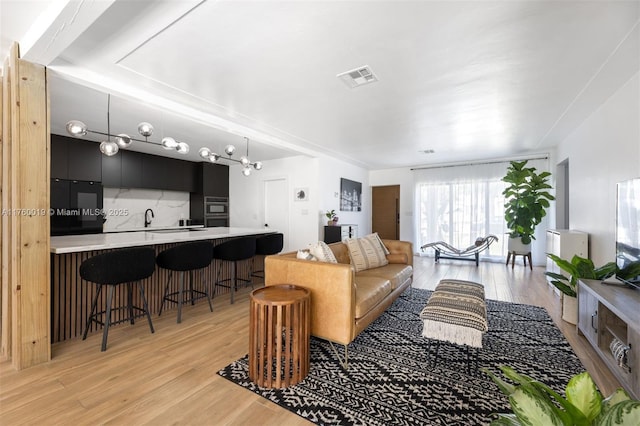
<point x="59" y="26"/>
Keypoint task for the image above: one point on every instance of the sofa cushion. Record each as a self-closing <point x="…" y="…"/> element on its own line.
<point x="396" y="273"/>
<point x="322" y="252"/>
<point x="370" y="291"/>
<point x="366" y="252"/>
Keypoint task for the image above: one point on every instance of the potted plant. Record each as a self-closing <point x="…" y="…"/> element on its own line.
<point x="331" y="215"/>
<point x="578" y="267"/>
<point x="527" y="201"/>
<point x="535" y="403"/>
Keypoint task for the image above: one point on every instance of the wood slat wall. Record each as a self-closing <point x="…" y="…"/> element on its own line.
<point x="72" y="296"/>
<point x="25" y="219"/>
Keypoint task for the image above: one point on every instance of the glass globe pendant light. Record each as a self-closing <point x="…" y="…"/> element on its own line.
<point x="145" y="129"/>
<point x="169" y="143"/>
<point x="109" y="148"/>
<point x="123" y="141"/>
<point x="76" y="128"/>
<point x="182" y="148"/>
<point x="204" y="152"/>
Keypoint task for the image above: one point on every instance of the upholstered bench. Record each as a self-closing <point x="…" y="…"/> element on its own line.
<point x="456" y="312"/>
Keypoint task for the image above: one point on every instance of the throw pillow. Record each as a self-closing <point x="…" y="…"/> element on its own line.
<point x="322" y="251"/>
<point x="305" y="255"/>
<point x="366" y="253"/>
<point x="376" y="238"/>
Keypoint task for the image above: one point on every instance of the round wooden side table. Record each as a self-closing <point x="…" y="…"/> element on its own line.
<point x="279" y="335"/>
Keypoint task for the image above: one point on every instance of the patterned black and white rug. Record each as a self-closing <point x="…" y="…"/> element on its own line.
<point x="392" y="379"/>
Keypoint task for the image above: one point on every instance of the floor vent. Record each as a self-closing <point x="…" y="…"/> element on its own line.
<point x="358" y="77"/>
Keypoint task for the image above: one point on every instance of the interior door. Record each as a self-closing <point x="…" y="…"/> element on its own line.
<point x="385" y="215"/>
<point x="276" y="210"/>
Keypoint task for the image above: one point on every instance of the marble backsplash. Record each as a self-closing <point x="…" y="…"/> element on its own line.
<point x="125" y="208"/>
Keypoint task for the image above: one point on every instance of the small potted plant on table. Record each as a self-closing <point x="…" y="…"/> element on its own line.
<point x="331" y="215"/>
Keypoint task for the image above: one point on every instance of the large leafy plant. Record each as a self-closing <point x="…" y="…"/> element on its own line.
<point x="536" y="404"/>
<point x="579" y="267"/>
<point x="527" y="199"/>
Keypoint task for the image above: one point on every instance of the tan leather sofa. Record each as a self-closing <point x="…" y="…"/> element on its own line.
<point x="343" y="302"/>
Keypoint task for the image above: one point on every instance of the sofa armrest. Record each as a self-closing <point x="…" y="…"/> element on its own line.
<point x="399" y="251"/>
<point x="332" y="293"/>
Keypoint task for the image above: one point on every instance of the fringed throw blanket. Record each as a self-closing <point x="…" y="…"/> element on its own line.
<point x="456" y="312"/>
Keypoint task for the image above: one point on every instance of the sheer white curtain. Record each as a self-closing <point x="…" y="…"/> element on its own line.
<point x="458" y="204"/>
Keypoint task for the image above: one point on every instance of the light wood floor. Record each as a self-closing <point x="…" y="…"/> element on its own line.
<point x="170" y="377"/>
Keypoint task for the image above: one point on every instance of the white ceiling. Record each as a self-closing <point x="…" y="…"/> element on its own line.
<point x="468" y="79"/>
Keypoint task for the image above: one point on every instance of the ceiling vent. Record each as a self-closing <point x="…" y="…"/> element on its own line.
<point x="358" y="77"/>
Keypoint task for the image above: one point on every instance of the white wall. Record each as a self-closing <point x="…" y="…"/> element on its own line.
<point x="246" y="198"/>
<point x="306" y="218"/>
<point x="604" y="150"/>
<point x="330" y="172"/>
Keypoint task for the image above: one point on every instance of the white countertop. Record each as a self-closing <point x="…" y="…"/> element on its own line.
<point x="88" y="242"/>
<point x="153" y="228"/>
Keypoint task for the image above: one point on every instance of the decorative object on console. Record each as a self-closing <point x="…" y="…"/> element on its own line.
<point x="206" y="153"/>
<point x="110" y="147"/>
<point x="350" y="195"/>
<point x="527" y="198"/>
<point x="331" y="215"/>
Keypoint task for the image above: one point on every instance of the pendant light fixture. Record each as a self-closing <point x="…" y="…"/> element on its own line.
<point x="110" y="147"/>
<point x="207" y="154"/>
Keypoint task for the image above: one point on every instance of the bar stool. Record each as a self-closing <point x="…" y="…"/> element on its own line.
<point x="266" y="246"/>
<point x="123" y="266"/>
<point x="234" y="251"/>
<point x="183" y="258"/>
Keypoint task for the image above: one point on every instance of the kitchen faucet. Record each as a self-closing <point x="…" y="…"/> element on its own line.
<point x="147" y="220"/>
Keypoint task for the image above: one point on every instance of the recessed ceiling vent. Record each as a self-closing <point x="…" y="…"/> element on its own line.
<point x="358" y="77"/>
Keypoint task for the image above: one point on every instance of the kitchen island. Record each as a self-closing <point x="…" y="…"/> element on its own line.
<point x="71" y="296"/>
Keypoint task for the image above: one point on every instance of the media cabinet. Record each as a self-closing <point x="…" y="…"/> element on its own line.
<point x="607" y="312"/>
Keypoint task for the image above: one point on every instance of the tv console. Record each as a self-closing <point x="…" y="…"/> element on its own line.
<point x="608" y="313"/>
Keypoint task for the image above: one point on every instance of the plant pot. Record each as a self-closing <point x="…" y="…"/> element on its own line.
<point x="570" y="309"/>
<point x="515" y="245"/>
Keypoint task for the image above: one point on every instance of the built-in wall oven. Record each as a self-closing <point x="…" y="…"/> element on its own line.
<point x="76" y="207"/>
<point x="216" y="211"/>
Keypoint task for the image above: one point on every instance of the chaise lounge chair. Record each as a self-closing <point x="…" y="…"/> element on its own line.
<point x="456" y="254"/>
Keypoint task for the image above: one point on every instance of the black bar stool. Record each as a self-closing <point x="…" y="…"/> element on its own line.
<point x="185" y="258"/>
<point x="123" y="266"/>
<point x="234" y="251"/>
<point x="266" y="246"/>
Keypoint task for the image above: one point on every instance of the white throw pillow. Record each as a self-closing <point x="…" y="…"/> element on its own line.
<point x="322" y="251"/>
<point x="305" y="255"/>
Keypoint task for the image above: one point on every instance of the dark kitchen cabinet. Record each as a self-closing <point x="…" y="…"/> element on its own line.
<point x="75" y="159"/>
<point x="212" y="180"/>
<point x="111" y="171"/>
<point x="215" y="180"/>
<point x="59" y="157"/>
<point x="168" y="173"/>
<point x="131" y="169"/>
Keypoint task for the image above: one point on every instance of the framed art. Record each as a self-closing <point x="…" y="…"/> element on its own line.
<point x="350" y="195"/>
<point x="301" y="194"/>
